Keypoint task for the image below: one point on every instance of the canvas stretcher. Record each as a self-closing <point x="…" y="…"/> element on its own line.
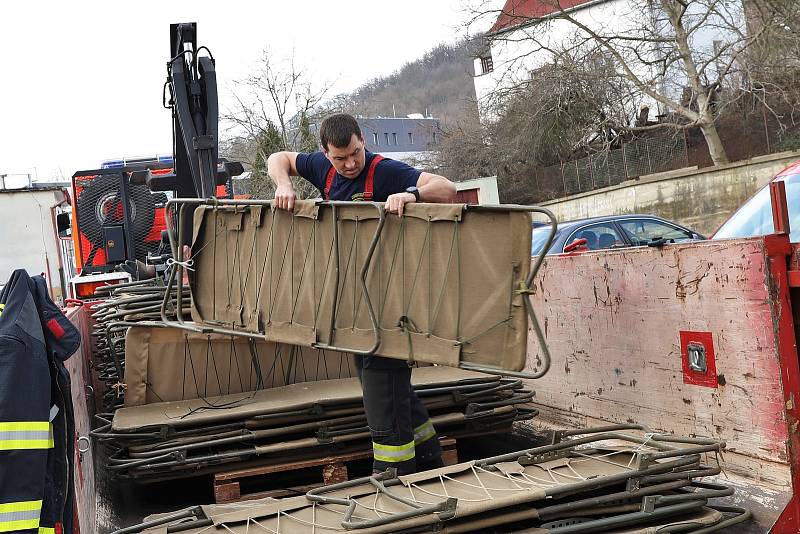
<point x="644" y="482"/>
<point x="444" y="284"/>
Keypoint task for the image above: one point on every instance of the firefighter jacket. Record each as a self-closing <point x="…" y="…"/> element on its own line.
<point x="37" y="426"/>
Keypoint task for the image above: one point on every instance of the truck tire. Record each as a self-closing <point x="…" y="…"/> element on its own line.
<point x="99" y="205"/>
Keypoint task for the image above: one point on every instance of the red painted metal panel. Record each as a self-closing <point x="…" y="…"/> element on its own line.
<point x="778" y="250"/>
<point x="699" y="341"/>
<point x="610" y="320"/>
<point x="467" y="196"/>
<point x="77" y="365"/>
<point x="780" y="211"/>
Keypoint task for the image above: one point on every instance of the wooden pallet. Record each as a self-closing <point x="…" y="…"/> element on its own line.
<point x="227" y="485"/>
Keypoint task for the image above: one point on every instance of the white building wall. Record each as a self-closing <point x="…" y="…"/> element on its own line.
<point x="27" y="237"/>
<point x="487" y="189"/>
<point x="511" y="51"/>
<point x="513" y="60"/>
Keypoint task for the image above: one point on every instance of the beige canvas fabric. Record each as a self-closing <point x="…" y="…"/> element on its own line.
<point x="443" y="280"/>
<point x="170" y="364"/>
<point x="706" y="517"/>
<point x="194" y="412"/>
<point x="477" y="489"/>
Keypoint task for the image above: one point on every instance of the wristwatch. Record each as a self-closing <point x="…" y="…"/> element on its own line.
<point x="414" y="191"/>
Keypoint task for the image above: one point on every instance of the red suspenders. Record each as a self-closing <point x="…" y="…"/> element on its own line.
<point x="368" y="184"/>
<point x="329" y="182"/>
<point x="371" y="176"/>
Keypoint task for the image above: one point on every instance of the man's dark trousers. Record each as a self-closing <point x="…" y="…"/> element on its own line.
<point x="403" y="436"/>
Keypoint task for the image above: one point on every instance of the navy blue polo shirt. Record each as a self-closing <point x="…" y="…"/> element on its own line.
<point x="391" y="176"/>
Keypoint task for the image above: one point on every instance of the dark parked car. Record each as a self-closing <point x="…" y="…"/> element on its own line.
<point x="613" y="231"/>
<point x="755" y="215"/>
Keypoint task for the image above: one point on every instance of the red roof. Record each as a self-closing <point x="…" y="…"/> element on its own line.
<point x="518" y="12"/>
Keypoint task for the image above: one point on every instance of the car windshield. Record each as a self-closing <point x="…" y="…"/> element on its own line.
<point x="755" y="217"/>
<point x="538" y="239"/>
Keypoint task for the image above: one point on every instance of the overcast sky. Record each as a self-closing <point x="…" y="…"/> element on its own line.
<point x="81" y="81"/>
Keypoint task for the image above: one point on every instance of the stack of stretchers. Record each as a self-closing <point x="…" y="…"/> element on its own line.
<point x="132" y="304"/>
<point x="304" y="420"/>
<point x="279" y="303"/>
<point x="623" y="480"/>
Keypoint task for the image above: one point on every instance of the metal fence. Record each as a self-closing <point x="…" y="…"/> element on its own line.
<point x="640" y="157"/>
<point x="634" y="159"/>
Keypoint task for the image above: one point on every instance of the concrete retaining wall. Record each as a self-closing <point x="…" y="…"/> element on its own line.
<point x="698" y="198"/>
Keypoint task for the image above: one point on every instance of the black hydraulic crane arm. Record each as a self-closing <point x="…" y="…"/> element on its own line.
<point x="195" y="114"/>
<point x="191" y="93"/>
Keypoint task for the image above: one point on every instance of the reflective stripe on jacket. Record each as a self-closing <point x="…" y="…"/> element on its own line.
<point x="35" y="452"/>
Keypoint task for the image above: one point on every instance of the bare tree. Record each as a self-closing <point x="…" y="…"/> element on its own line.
<point x="774" y="64"/>
<point x="686" y="58"/>
<point x="272" y="111"/>
<point x="464" y="152"/>
<point x="552" y="117"/>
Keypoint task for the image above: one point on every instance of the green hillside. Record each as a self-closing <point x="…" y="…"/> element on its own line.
<point x="439" y="83"/>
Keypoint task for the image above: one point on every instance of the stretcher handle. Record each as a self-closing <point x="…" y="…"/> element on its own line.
<point x="526" y="295"/>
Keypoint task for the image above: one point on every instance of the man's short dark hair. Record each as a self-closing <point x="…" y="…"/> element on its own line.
<point x="337" y="130"/>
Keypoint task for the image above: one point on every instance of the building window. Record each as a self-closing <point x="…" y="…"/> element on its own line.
<point x="487" y="65"/>
<point x="386" y="136"/>
<point x="394" y="139"/>
<point x="375" y="138"/>
<point x="410" y="138"/>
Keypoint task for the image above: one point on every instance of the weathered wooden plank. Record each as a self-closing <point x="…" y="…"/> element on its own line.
<point x="227" y="486"/>
<point x="334" y="473"/>
<point x="228" y="492"/>
<point x="291" y="466"/>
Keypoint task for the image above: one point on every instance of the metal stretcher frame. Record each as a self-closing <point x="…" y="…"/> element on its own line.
<point x="127" y="305"/>
<point x="179" y="207"/>
<point x="315" y="399"/>
<point x="658" y="473"/>
<point x="301" y="412"/>
<point x="159" y="461"/>
<point x="465" y="402"/>
<point x="646" y="463"/>
<point x="652" y="505"/>
<point x="707" y="519"/>
<point x="300" y="396"/>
